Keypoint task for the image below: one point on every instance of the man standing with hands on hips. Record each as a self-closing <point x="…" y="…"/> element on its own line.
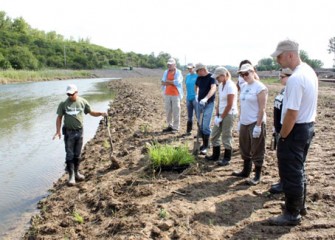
<point x="73" y="110"/>
<point x="298" y="116"/>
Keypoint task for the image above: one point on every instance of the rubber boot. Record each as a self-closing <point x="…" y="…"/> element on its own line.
<point x="226" y="158"/>
<point x="216" y="154"/>
<point x="303" y="210"/>
<point x="291" y="215"/>
<point x="247" y="165"/>
<point x="257" y="178"/>
<point x="78" y="176"/>
<point x="70" y="170"/>
<point x="203" y="149"/>
<point x="276" y="188"/>
<point x="189" y="128"/>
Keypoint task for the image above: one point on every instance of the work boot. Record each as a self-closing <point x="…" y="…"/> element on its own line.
<point x="226" y="158"/>
<point x="257" y="178"/>
<point x="70" y="170"/>
<point x="216" y="154"/>
<point x="78" y="176"/>
<point x="189" y="127"/>
<point x="247" y="165"/>
<point x="291" y="215"/>
<point x="276" y="188"/>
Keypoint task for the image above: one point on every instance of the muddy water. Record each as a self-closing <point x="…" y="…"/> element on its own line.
<point x="30" y="161"/>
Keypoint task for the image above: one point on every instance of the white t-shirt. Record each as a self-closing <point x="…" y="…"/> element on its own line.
<point x="249" y="102"/>
<point x="301" y="94"/>
<point x="224" y="91"/>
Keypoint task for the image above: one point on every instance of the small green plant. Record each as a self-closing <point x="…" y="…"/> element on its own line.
<point x="166" y="155"/>
<point x="78" y="218"/>
<point x="106" y="144"/>
<point x="144" y="128"/>
<point x="163" y="213"/>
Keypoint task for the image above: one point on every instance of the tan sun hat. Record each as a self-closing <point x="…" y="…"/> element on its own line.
<point x="219" y="71"/>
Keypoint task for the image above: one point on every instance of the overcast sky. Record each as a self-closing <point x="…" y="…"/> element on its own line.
<point x="215" y="32"/>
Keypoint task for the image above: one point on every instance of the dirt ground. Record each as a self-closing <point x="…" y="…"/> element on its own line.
<point x="203" y="202"/>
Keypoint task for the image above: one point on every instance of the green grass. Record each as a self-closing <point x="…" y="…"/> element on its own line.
<point x="166" y="155"/>
<point x="78" y="218"/>
<point x="14" y="76"/>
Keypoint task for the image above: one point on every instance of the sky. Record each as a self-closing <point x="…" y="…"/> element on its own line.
<point x="214" y="32"/>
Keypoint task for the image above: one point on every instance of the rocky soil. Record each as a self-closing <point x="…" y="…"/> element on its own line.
<point x="131" y="201"/>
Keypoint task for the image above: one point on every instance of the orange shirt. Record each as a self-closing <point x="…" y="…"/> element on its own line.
<point x="171" y="90"/>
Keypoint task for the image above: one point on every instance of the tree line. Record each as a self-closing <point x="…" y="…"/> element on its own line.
<point x="23" y="47"/>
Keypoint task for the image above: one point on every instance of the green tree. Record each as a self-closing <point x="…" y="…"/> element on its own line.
<point x="22" y="58"/>
<point x="314" y="63"/>
<point x="331" y="48"/>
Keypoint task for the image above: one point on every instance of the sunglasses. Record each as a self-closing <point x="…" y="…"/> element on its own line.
<point x="283" y="76"/>
<point x="246" y="74"/>
<point x="70" y="95"/>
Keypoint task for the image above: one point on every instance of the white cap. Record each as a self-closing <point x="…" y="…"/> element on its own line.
<point x="71" y="89"/>
<point x="246" y="67"/>
<point x="171" y="61"/>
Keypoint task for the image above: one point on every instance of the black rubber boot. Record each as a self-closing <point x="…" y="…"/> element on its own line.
<point x="291" y="215"/>
<point x="189" y="127"/>
<point x="70" y="170"/>
<point x="216" y="154"/>
<point x="203" y="149"/>
<point x="276" y="188"/>
<point x="247" y="165"/>
<point x="257" y="178"/>
<point x="226" y="158"/>
<point x="78" y="176"/>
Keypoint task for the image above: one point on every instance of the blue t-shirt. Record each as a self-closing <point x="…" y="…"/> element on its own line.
<point x="204" y="84"/>
<point x="190" y="80"/>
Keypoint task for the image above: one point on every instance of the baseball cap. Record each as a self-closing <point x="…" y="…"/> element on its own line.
<point x="171" y="61"/>
<point x="219" y="71"/>
<point x="245" y="68"/>
<point x="199" y="66"/>
<point x="71" y="89"/>
<point x="190" y="65"/>
<point x="285" y="46"/>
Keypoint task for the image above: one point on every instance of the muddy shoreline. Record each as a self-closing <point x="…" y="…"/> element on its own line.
<point x="203" y="202"/>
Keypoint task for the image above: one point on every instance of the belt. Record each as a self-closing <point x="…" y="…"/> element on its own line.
<point x="74" y="130"/>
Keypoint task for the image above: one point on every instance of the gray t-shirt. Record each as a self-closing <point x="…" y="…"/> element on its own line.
<point x="73" y="112"/>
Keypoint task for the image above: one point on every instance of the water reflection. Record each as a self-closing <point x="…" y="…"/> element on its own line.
<point x="29" y="160"/>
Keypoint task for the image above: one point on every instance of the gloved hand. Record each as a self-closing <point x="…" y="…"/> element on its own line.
<point x="217" y="120"/>
<point x="203" y="101"/>
<point x="257" y="131"/>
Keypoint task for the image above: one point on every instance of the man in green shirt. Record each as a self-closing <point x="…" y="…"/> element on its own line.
<point x="73" y="110"/>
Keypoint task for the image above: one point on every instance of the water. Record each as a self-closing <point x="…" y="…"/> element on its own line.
<point x="30" y="161"/>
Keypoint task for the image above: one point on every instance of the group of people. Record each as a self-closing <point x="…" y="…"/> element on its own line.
<point x="294" y="117"/>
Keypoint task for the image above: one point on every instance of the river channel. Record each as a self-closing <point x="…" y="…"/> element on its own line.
<point x="30" y="161"/>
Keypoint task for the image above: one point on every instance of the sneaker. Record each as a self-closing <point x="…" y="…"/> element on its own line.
<point x="223" y="162"/>
<point x="168" y="129"/>
<point x="173" y="131"/>
<point x="203" y="151"/>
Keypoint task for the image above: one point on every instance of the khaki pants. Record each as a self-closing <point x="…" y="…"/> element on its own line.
<point x="172" y="110"/>
<point x="225" y="130"/>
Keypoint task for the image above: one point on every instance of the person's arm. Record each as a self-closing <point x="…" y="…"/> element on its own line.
<point x="58" y="127"/>
<point x="97" y="114"/>
<point x="230" y="101"/>
<point x="211" y="91"/>
<point x="288" y="122"/>
<point x="262" y="98"/>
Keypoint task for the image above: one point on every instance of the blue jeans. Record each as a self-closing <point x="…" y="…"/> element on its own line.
<point x="207" y="112"/>
<point x="73" y="140"/>
<point x="291" y="153"/>
<point x="192" y="106"/>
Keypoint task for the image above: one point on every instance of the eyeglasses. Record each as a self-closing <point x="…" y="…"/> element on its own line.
<point x="246" y="74"/>
<point x="70" y="95"/>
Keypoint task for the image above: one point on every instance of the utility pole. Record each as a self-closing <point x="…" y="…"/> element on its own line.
<point x="64" y="56"/>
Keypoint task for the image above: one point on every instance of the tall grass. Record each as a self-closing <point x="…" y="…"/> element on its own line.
<point x="14" y="76"/>
<point x="166" y="155"/>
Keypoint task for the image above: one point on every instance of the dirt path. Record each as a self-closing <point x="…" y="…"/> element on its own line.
<point x="203" y="202"/>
